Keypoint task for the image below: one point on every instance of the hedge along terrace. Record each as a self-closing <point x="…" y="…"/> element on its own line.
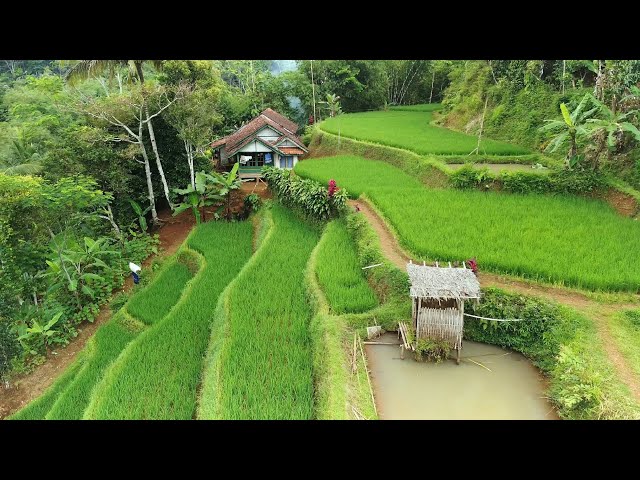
<point x="570" y="240"/>
<point x="412" y="130"/>
<point x="157" y="375"/>
<point x="564" y="345"/>
<point x="69" y="396"/>
<point x="264" y="366"/>
<point x="311" y="200"/>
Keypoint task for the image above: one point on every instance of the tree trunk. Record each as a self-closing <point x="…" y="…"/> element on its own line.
<point x="152" y="137"/>
<point x="189" y="149"/>
<point x="484" y="111"/>
<point x="313" y="91"/>
<point x="104" y="86"/>
<point x="599" y="89"/>
<point x="119" y="78"/>
<point x="147" y="171"/>
<point x="433" y="79"/>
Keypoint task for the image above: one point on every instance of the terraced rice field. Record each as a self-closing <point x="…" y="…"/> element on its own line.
<point x="410" y="128"/>
<point x="148" y="367"/>
<point x="265" y="364"/>
<point x="571" y="240"/>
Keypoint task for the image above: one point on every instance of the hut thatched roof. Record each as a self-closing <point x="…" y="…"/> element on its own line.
<point x="442" y="282"/>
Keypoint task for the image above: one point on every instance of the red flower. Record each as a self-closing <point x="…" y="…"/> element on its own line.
<point x="333" y="188"/>
<point x="473" y="264"/>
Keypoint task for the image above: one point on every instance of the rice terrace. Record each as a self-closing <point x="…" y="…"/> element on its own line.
<point x="430" y="239"/>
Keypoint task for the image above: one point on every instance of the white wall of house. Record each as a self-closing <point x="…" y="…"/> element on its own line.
<point x="268" y="133"/>
<point x="255" y="146"/>
<point x="287" y="143"/>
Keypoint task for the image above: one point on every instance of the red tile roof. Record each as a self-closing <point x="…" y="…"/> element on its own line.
<point x="247" y="132"/>
<point x="291" y="150"/>
<point x="281" y="120"/>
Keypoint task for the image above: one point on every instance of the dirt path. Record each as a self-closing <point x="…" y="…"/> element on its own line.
<point x="26" y="388"/>
<point x="601" y="314"/>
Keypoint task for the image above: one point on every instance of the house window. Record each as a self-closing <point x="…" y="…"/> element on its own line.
<point x="257" y="160"/>
<point x="286" y="161"/>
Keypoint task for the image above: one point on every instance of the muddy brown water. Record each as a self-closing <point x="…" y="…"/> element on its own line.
<point x="508" y="388"/>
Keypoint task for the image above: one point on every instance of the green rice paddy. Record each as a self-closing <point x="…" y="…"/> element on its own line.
<point x="266" y="365"/>
<point x="570" y="240"/>
<point x="340" y="274"/>
<point x="410" y="128"/>
<point x="157" y="375"/>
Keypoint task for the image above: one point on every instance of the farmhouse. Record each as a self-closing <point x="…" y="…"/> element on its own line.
<point x="437" y="299"/>
<point x="269" y="139"/>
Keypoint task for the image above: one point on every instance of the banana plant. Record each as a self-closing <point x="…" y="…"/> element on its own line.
<point x="78" y="266"/>
<point x="572" y="129"/>
<point x="333" y="104"/>
<point x="203" y="195"/>
<point x="226" y="182"/>
<point x="38" y="333"/>
<point x="610" y="128"/>
<point x="142" y="220"/>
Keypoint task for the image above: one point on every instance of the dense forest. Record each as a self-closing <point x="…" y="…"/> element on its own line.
<point x="92" y="150"/>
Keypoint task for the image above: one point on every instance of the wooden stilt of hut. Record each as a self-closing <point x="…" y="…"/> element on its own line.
<point x="438" y="295"/>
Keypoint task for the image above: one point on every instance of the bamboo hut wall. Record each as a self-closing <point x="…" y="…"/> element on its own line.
<point x="441" y="323"/>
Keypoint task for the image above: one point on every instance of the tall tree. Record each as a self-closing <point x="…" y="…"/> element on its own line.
<point x="87" y="68"/>
<point x="121" y="111"/>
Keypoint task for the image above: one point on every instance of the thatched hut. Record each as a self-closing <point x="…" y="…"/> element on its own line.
<point x="438" y="295"/>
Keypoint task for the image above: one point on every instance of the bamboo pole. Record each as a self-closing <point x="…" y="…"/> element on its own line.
<point x="366" y="369"/>
<point x="353" y="358"/>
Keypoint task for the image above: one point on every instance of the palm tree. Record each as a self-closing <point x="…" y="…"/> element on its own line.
<point x="88" y="68"/>
<point x="571" y="128"/>
<point x="25" y="162"/>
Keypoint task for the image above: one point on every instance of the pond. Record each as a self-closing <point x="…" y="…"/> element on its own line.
<point x="501" y="384"/>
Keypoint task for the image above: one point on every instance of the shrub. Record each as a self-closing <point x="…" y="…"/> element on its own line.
<point x="432" y="349"/>
<point x="576" y="389"/>
<point x="538" y="337"/>
<point x="304" y="195"/>
<point x="252" y="203"/>
<point x="574" y="181"/>
<point x="9" y="346"/>
<point x="470" y="177"/>
<point x="306" y="136"/>
<point x="524" y="182"/>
